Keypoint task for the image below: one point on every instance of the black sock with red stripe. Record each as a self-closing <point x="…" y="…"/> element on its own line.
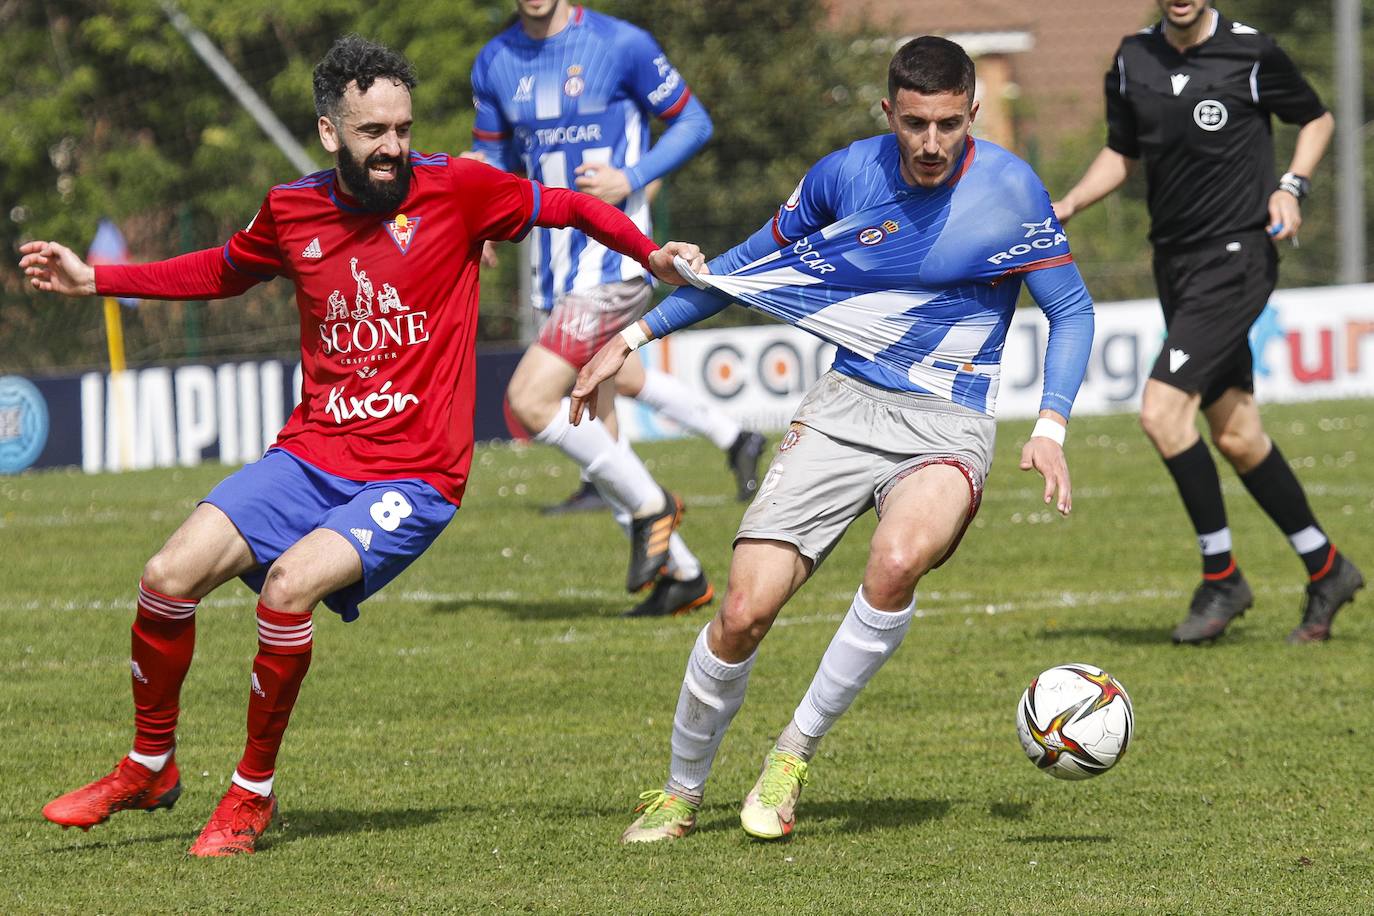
<point x="1276" y="488"/>
<point x="1195" y="475"/>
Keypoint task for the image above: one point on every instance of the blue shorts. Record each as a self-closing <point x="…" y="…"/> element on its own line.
<point x="279" y="499"/>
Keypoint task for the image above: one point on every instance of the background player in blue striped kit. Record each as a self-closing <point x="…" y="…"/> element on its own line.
<point x="908" y="251"/>
<point x="566" y="96"/>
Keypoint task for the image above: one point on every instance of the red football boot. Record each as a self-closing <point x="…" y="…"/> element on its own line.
<point x="129" y="785"/>
<point x="238" y="821"/>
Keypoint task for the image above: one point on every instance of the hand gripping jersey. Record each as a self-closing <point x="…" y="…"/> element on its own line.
<point x="582" y="96"/>
<point x="916" y="287"/>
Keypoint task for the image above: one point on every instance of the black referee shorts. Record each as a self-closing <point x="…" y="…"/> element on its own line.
<point x="1211" y="293"/>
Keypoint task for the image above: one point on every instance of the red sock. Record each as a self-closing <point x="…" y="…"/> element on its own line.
<point x="164" y="636"/>
<point x="284" y="643"/>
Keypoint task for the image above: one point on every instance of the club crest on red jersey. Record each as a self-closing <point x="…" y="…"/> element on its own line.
<point x="402" y="230"/>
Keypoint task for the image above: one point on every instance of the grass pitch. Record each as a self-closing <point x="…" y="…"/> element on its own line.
<point x="476" y="741"/>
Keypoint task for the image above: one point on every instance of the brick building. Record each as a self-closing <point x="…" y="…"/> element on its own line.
<point x="1040" y="65"/>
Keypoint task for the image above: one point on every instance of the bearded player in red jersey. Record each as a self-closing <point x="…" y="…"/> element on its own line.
<point x="383" y="250"/>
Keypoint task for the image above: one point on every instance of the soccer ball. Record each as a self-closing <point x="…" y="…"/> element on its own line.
<point x="1075" y="721"/>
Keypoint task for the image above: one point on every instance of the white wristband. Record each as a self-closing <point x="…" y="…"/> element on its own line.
<point x="634" y="336"/>
<point x="1049" y="429"/>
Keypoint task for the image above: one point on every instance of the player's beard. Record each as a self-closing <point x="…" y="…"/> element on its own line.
<point x="375" y="196"/>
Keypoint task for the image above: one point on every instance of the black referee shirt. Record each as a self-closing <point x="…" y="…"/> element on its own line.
<point x="1200" y="120"/>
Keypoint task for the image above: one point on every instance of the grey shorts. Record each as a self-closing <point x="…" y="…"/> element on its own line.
<point x="849" y="444"/>
<point x="582" y="321"/>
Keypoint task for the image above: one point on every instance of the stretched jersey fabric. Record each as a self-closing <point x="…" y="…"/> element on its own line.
<point x="387" y="303"/>
<point x="582" y="96"/>
<point x="917" y="287"/>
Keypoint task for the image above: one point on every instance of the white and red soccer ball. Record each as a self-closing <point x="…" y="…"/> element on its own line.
<point x="1075" y="721"/>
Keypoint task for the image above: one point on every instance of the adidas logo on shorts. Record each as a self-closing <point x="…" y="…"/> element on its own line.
<point x="364" y="536"/>
<point x="1176" y="360"/>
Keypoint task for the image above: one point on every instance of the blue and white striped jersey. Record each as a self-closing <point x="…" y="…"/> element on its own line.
<point x="583" y="95"/>
<point x="916" y="286"/>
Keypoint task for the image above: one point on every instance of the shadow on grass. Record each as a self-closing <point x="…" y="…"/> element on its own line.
<point x="1010" y="811"/>
<point x="185" y="837"/>
<point x="294" y="825"/>
<point x="845" y="816"/>
<point x="541" y="609"/>
<point x="1130" y="636"/>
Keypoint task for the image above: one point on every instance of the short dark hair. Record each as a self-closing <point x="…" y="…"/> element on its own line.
<point x="354" y="59"/>
<point x="930" y="65"/>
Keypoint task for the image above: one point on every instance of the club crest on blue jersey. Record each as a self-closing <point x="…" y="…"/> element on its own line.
<point x="402" y="230"/>
<point x="875" y="234"/>
<point x="574" y="84"/>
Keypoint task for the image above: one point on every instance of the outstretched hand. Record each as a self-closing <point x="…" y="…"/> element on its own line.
<point x="1047" y="457"/>
<point x="661" y="262"/>
<point x="55" y="268"/>
<point x="605" y="364"/>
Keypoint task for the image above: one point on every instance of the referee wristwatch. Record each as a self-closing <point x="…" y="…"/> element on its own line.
<point x="1297" y="185"/>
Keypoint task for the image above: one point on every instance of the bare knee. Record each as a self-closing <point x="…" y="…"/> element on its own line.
<point x="534" y="409"/>
<point x="1160" y="426"/>
<point x="740" y="626"/>
<point x="164" y="574"/>
<point x="1244" y="449"/>
<point x="286" y="591"/>
<point x="893" y="571"/>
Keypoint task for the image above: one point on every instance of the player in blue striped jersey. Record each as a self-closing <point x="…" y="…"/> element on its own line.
<point x="908" y="252"/>
<point x="566" y="95"/>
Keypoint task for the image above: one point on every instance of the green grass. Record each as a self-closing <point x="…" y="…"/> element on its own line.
<point x="476" y="741"/>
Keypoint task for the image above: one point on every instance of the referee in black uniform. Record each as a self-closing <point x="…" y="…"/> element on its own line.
<point x="1193" y="96"/>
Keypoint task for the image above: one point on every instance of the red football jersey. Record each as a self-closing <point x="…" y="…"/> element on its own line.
<point x="388" y="305"/>
<point x="388" y="310"/>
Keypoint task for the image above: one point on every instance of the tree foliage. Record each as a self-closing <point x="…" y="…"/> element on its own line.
<point x="110" y="113"/>
<point x="106" y="111"/>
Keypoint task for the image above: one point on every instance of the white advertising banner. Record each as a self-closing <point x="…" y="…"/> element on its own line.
<point x="1309" y="344"/>
<point x="161" y="417"/>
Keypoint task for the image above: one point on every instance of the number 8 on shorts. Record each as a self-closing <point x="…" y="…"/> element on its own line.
<point x="389" y="511"/>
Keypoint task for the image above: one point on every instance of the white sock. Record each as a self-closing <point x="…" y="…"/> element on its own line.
<point x="151" y="761"/>
<point x="712" y="692"/>
<point x="591" y="446"/>
<point x="679" y="402"/>
<point x="683" y="565"/>
<point x="867" y="637"/>
<point x="263" y="788"/>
